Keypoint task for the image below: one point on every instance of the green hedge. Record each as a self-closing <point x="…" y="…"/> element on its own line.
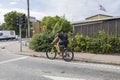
<point x="103" y="43"/>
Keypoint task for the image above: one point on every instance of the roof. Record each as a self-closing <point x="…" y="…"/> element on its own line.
<point x="105" y="19"/>
<point x="98" y="15"/>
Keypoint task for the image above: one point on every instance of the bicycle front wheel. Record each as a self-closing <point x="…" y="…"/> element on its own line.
<point x="68" y="55"/>
<point x="51" y="53"/>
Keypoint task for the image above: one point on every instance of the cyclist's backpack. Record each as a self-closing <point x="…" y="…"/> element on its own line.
<point x="65" y="36"/>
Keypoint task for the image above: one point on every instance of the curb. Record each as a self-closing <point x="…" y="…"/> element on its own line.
<point x="75" y="59"/>
<point x="97" y="61"/>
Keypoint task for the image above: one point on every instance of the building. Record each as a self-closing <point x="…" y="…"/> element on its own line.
<point x="98" y="16"/>
<point x="91" y="27"/>
<point x="37" y="27"/>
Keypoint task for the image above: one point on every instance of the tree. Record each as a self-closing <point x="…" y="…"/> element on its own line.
<point x="49" y="22"/>
<point x="10" y="21"/>
<point x="3" y="26"/>
<point x="62" y="24"/>
<point x="56" y="23"/>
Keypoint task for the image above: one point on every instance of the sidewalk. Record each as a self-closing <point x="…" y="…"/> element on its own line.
<point x="87" y="57"/>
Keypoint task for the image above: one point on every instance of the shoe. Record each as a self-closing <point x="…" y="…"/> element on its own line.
<point x="60" y="53"/>
<point x="52" y="51"/>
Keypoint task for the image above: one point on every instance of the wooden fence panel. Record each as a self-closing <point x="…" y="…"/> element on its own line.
<point x="118" y="27"/>
<point x="112" y="27"/>
<point x="91" y="30"/>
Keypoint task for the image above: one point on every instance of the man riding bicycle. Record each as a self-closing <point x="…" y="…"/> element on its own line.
<point x="61" y="39"/>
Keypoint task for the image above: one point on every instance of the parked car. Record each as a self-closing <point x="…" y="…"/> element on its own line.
<point x="7" y="34"/>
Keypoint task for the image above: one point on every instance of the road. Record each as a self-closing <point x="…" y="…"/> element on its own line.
<point x="20" y="67"/>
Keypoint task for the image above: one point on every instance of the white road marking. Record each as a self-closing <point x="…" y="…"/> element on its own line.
<point x="12" y="60"/>
<point x="61" y="78"/>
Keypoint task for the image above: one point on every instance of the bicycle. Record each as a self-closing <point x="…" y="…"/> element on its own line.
<point x="67" y="54"/>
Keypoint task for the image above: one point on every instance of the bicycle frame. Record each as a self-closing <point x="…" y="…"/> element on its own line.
<point x="65" y="53"/>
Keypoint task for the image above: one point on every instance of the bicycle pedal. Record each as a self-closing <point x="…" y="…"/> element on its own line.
<point x="60" y="54"/>
<point x="51" y="52"/>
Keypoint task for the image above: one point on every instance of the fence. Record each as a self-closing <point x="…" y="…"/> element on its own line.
<point x="91" y="28"/>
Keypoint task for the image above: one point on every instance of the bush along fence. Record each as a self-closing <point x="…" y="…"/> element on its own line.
<point x="103" y="43"/>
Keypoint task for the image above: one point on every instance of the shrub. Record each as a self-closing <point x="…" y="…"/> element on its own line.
<point x="70" y="39"/>
<point x="80" y="43"/>
<point x="103" y="43"/>
<point x="114" y="41"/>
<point x="40" y="42"/>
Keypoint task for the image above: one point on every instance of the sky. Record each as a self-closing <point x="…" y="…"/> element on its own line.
<point x="74" y="10"/>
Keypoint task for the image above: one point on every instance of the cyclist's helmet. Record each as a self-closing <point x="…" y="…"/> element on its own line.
<point x="58" y="31"/>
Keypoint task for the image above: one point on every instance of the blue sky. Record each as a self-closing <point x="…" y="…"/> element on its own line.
<point x="74" y="10"/>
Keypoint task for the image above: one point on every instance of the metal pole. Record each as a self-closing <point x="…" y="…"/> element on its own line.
<point x="26" y="33"/>
<point x="20" y="37"/>
<point x="28" y="19"/>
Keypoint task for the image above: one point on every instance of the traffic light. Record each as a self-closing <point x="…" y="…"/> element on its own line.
<point x="23" y="19"/>
<point x="17" y="21"/>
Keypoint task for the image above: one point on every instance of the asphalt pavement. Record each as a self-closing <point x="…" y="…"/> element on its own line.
<point x="16" y="65"/>
<point x="21" y="67"/>
<point x="14" y="47"/>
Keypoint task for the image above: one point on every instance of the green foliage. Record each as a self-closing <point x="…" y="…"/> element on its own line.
<point x="10" y="21"/>
<point x="70" y="39"/>
<point x="23" y="33"/>
<point x="41" y="41"/>
<point x="49" y="22"/>
<point x="62" y="24"/>
<point x="80" y="40"/>
<point x="103" y="43"/>
<point x="3" y="26"/>
<point x="56" y="23"/>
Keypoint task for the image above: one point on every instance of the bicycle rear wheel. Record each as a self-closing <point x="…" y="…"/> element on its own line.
<point x="51" y="53"/>
<point x="68" y="55"/>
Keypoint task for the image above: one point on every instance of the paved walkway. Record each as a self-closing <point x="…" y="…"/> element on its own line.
<point x="99" y="58"/>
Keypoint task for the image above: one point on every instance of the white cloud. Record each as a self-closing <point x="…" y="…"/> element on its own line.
<point x="13" y="3"/>
<point x="80" y="9"/>
<point x="38" y="15"/>
<point x="113" y="8"/>
<point x="1" y="5"/>
<point x="75" y="10"/>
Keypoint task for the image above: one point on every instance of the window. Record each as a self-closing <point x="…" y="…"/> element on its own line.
<point x="1" y="34"/>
